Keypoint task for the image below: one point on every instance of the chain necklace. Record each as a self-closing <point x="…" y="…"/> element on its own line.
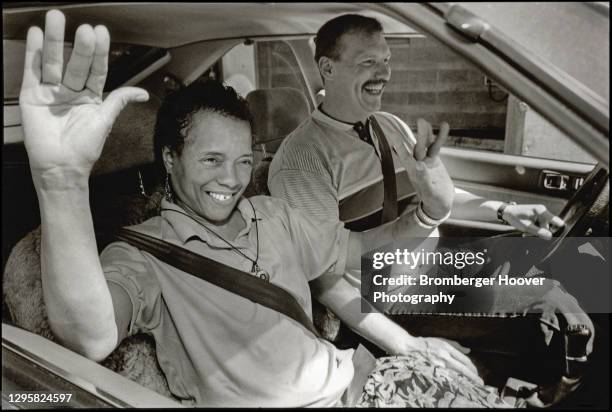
<point x="255" y="269"/>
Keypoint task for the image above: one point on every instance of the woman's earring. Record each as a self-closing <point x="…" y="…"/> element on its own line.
<point x="167" y="190"/>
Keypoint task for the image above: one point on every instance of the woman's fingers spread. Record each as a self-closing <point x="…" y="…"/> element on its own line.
<point x="99" y="66"/>
<point x="77" y="69"/>
<point x="439" y="141"/>
<point x="53" y="48"/>
<point x="32" y="68"/>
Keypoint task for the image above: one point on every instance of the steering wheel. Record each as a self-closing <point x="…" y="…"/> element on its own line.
<point x="588" y="203"/>
<point x="578" y="214"/>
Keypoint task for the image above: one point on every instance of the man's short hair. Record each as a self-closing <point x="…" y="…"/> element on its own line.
<point x="327" y="41"/>
<point x="176" y="112"/>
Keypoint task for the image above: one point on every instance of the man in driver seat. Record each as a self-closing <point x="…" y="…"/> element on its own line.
<point x="351" y="162"/>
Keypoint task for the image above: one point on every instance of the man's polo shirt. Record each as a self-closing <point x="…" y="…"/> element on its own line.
<point x="324" y="169"/>
<point x="217" y="348"/>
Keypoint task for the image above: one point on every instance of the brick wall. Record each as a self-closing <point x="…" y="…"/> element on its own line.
<point x="428" y="80"/>
<point x="277" y="66"/>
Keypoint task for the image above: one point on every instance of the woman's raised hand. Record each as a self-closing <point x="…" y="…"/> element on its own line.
<point x="64" y="119"/>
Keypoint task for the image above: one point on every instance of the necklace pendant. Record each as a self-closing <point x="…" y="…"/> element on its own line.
<point x="261" y="274"/>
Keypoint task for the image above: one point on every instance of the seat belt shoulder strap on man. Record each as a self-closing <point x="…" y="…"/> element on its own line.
<point x="221" y="275"/>
<point x="389" y="212"/>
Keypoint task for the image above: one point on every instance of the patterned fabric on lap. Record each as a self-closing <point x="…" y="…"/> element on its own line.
<point x="415" y="381"/>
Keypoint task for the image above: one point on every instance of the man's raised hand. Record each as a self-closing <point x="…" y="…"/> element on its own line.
<point x="64" y="119"/>
<point x="428" y="145"/>
<point x="426" y="171"/>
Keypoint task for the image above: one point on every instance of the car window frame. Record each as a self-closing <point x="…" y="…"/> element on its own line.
<point x="531" y="89"/>
<point x="102" y="383"/>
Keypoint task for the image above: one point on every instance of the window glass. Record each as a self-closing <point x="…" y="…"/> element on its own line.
<point x="529" y="134"/>
<point x="262" y="65"/>
<point x="428" y="80"/>
<point x="431" y="81"/>
<point x="266" y="64"/>
<point x="278" y="67"/>
<point x="125" y="62"/>
<point x="238" y="68"/>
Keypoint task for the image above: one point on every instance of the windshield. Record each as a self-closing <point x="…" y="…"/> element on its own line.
<point x="573" y="36"/>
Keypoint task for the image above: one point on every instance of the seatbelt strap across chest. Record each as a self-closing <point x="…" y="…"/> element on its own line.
<point x="221" y="275"/>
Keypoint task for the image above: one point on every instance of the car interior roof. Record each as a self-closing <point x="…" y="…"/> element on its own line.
<point x="185" y="23"/>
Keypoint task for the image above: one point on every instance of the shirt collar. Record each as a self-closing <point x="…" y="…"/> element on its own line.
<point x="324" y="118"/>
<point x="185" y="228"/>
<point x="318" y="115"/>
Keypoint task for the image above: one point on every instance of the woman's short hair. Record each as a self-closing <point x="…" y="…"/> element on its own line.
<point x="327" y="41"/>
<point x="175" y="115"/>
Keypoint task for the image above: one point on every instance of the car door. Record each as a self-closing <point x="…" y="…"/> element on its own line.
<point x="526" y="171"/>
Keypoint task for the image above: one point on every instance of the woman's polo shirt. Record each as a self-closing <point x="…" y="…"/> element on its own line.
<point x="217" y="348"/>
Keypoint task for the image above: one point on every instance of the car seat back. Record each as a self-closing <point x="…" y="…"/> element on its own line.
<point x="276" y="113"/>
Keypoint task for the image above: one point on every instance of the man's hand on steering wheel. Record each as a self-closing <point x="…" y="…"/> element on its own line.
<point x="535" y="220"/>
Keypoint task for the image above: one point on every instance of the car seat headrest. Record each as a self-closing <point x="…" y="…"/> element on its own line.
<point x="130" y="142"/>
<point x="276" y="112"/>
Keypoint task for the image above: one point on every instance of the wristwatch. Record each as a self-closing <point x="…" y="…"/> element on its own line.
<point x="500" y="212"/>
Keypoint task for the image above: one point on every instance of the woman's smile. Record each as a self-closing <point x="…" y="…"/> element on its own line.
<point x="214" y="167"/>
<point x="221" y="198"/>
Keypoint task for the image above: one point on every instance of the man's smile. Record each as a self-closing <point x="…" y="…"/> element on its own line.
<point x="374" y="87"/>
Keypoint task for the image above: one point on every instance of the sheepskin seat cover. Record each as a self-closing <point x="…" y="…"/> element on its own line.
<point x="134" y="358"/>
